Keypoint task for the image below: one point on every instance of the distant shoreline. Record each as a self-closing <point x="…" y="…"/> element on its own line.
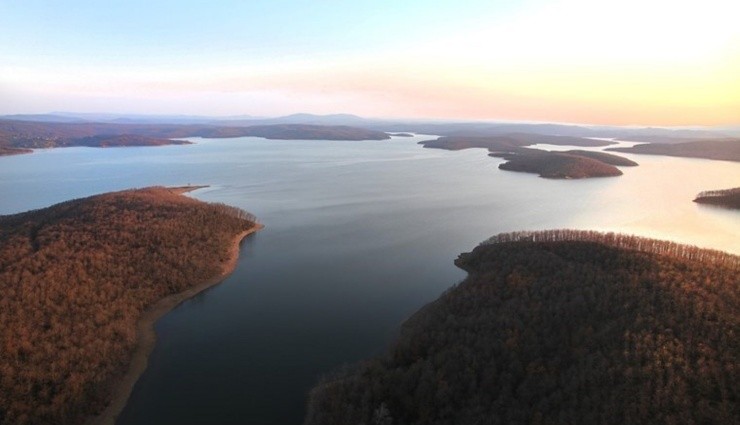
<point x="147" y="336"/>
<point x="185" y="189"/>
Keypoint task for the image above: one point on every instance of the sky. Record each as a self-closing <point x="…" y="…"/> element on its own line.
<point x="620" y="62"/>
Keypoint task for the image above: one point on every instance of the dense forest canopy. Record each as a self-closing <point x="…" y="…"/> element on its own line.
<point x="556" y="165"/>
<point x="75" y="278"/>
<point x="604" y="157"/>
<point x="560" y="327"/>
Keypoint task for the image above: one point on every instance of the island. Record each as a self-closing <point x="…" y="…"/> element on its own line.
<point x="20" y="136"/>
<point x="401" y="134"/>
<point x="82" y="284"/>
<point x="507" y="142"/>
<point x="560" y="165"/>
<point x="558" y="327"/>
<point x="728" y="198"/>
<point x="572" y="164"/>
<point x="717" y="149"/>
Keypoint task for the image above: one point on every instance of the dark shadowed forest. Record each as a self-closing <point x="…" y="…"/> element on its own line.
<point x="559" y="327"/>
<point x="74" y="279"/>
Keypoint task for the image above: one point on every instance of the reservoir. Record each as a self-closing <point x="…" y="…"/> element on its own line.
<point x="358" y="236"/>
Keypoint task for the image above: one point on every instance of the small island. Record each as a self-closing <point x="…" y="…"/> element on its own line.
<point x="401" y="134"/>
<point x="508" y="142"/>
<point x="572" y="164"/>
<point x="559" y="165"/>
<point x="558" y="327"/>
<point x="717" y="149"/>
<point x="82" y="284"/>
<point x="728" y="198"/>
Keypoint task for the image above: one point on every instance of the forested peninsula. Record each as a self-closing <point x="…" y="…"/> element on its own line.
<point x="717" y="149"/>
<point x="559" y="327"/>
<point x="77" y="276"/>
<point x="728" y="198"/>
<point x="18" y="137"/>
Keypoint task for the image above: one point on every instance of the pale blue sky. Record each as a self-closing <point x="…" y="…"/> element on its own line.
<point x="173" y="32"/>
<point x="601" y="61"/>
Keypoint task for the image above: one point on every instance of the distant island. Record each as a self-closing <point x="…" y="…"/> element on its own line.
<point x="507" y="142"/>
<point x="573" y="164"/>
<point x="729" y="198"/>
<point x="82" y="283"/>
<point x="563" y="165"/>
<point x="6" y="151"/>
<point x="559" y="327"/>
<point x="717" y="149"/>
<point x="401" y="134"/>
<point x="20" y="136"/>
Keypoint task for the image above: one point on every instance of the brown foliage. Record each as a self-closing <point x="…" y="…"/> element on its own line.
<point x="556" y="165"/>
<point x="559" y="327"/>
<point x="74" y="279"/>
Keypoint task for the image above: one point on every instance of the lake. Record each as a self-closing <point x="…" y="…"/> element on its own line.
<point x="358" y="236"/>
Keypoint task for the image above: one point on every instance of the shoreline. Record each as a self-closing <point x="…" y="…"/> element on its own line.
<point x="147" y="336"/>
<point x="180" y="190"/>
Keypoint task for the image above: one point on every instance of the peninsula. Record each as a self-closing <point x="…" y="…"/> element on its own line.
<point x="559" y="327"/>
<point x="21" y="136"/>
<point x="83" y="282"/>
<point x="6" y="151"/>
<point x="728" y="198"/>
<point x="717" y="149"/>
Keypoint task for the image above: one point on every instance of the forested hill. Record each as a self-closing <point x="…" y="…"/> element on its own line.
<point x="562" y="327"/>
<point x="75" y="278"/>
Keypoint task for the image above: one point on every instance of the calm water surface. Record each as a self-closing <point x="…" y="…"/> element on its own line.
<point x="358" y="236"/>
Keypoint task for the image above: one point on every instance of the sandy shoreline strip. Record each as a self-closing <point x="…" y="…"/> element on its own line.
<point x="147" y="337"/>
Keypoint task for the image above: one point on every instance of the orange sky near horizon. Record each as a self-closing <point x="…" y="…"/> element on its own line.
<point x="632" y="62"/>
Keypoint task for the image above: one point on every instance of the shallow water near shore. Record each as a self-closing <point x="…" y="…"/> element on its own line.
<point x="358" y="236"/>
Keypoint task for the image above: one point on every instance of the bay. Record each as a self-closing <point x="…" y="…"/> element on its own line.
<point x="358" y="236"/>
